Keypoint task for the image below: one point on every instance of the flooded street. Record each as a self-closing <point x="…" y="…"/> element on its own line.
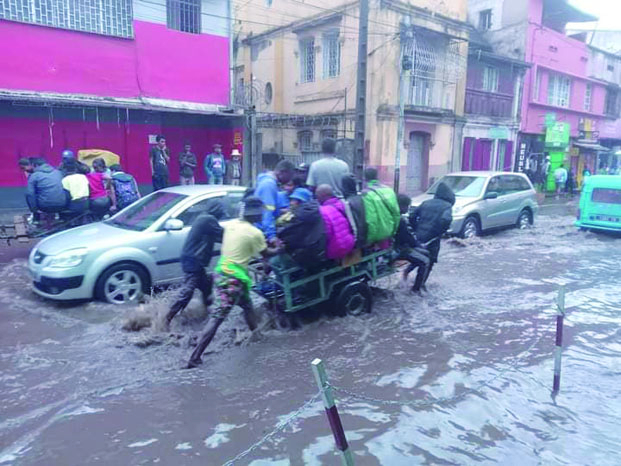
<point x="461" y="375"/>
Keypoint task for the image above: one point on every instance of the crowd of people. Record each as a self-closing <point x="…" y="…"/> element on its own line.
<point x="74" y="191"/>
<point x="314" y="219"/>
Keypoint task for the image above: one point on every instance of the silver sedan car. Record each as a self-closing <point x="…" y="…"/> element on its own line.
<point x="121" y="258"/>
<point x="487" y="200"/>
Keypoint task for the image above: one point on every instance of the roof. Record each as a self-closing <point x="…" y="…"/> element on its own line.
<point x="198" y="189"/>
<point x="592" y="146"/>
<point x="141" y="103"/>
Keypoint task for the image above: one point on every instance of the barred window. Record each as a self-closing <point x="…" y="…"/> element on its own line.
<point x="184" y="15"/>
<point x="331" y="55"/>
<point x="107" y="17"/>
<point x="305" y="140"/>
<point x="307" y="60"/>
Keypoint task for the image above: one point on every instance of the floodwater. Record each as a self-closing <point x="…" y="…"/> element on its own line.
<point x="461" y="375"/>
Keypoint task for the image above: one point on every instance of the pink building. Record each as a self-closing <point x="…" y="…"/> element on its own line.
<point x="112" y="77"/>
<point x="560" y="85"/>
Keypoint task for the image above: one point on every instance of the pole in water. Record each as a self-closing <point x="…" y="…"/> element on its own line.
<point x="558" y="350"/>
<point x="321" y="378"/>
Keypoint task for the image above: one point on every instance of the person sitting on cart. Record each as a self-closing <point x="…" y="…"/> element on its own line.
<point x="77" y="187"/>
<point x="267" y="192"/>
<point x="45" y="190"/>
<point x="380" y="207"/>
<point x="241" y="242"/>
<point x="339" y="235"/>
<point x="196" y="256"/>
<point x="303" y="236"/>
<point x="431" y="220"/>
<point x="354" y="206"/>
<point x="408" y="248"/>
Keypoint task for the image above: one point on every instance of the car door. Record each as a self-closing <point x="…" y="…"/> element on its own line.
<point x="492" y="208"/>
<point x="170" y="243"/>
<point x="511" y="199"/>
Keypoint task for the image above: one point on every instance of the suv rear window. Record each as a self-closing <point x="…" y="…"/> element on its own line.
<point x="606" y="196"/>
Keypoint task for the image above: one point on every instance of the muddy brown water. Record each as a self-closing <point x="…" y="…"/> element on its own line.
<point x="75" y="388"/>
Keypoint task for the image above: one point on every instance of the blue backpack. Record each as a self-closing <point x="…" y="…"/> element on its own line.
<point x="125" y="191"/>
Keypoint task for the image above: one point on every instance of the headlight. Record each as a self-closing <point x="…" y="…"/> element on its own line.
<point x="67" y="259"/>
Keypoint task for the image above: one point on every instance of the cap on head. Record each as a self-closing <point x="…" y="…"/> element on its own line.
<point x="68" y="154"/>
<point x="301" y="194"/>
<point x="349" y="184"/>
<point x="235" y="153"/>
<point x="252" y="206"/>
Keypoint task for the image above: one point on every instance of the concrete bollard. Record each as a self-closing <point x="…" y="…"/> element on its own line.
<point x="333" y="415"/>
<point x="560" y="308"/>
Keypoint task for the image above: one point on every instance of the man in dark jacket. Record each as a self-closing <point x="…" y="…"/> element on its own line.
<point x="354" y="207"/>
<point x="45" y="188"/>
<point x="431" y="220"/>
<point x="196" y="255"/>
<point x="408" y="248"/>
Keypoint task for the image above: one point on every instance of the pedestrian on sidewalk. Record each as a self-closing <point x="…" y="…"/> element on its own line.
<point x="196" y="255"/>
<point x="215" y="165"/>
<point x="235" y="168"/>
<point x="187" y="165"/>
<point x="159" y="158"/>
<point x="560" y="178"/>
<point x="241" y="242"/>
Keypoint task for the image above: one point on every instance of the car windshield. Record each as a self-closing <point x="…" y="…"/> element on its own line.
<point x="462" y="186"/>
<point x="142" y="214"/>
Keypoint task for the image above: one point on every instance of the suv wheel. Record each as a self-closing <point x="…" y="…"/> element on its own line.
<point x="122" y="283"/>
<point x="470" y="228"/>
<point x="524" y="220"/>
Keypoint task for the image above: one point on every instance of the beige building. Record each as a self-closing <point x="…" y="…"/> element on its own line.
<point x="302" y="61"/>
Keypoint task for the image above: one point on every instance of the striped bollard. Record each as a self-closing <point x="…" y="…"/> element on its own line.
<point x="333" y="415"/>
<point x="560" y="308"/>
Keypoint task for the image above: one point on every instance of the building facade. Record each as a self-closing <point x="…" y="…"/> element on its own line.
<point x="111" y="76"/>
<point x="561" y="89"/>
<point x="301" y="61"/>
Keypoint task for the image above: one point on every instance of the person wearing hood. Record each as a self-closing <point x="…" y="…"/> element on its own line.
<point x="267" y="191"/>
<point x="354" y="207"/>
<point x="381" y="208"/>
<point x="408" y="248"/>
<point x="196" y="255"/>
<point x="45" y="190"/>
<point x="431" y="220"/>
<point x="339" y="235"/>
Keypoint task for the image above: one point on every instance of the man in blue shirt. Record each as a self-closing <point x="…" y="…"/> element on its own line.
<point x="267" y="191"/>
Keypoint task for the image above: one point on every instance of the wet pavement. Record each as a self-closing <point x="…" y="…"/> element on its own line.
<point x="461" y="375"/>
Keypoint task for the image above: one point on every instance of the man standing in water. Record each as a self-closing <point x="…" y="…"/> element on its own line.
<point x="241" y="242"/>
<point x="196" y="255"/>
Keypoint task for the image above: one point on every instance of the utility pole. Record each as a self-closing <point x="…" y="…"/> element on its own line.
<point x="361" y="88"/>
<point x="405" y="64"/>
<point x="251" y="161"/>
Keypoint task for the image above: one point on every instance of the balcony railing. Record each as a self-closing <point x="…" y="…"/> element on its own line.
<point x="492" y="104"/>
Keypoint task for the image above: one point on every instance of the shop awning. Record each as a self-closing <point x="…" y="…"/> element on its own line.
<point x="141" y="103"/>
<point x="592" y="146"/>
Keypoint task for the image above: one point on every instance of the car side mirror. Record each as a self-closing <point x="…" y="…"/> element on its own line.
<point x="491" y="195"/>
<point x="173" y="224"/>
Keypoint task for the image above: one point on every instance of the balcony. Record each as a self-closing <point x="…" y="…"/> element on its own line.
<point x="491" y="104"/>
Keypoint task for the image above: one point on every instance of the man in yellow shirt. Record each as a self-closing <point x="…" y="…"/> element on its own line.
<point x="241" y="242"/>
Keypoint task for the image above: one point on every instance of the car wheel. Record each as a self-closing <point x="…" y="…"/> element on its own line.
<point x="122" y="283"/>
<point x="353" y="299"/>
<point x="524" y="220"/>
<point x="471" y="228"/>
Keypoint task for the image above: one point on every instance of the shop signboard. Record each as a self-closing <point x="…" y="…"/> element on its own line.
<point x="557" y="136"/>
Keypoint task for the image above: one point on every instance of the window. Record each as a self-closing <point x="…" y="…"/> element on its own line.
<point x="268" y="93"/>
<point x="328" y="133"/>
<point x="110" y="18"/>
<point x="184" y="15"/>
<point x="485" y="20"/>
<point x="537" y="86"/>
<point x="189" y="215"/>
<point x="558" y="90"/>
<point x="307" y="60"/>
<point x="588" y="93"/>
<point x="611" y="105"/>
<point x="142" y="214"/>
<point x="491" y="77"/>
<point x="331" y="55"/>
<point x="606" y="196"/>
<point x="305" y="141"/>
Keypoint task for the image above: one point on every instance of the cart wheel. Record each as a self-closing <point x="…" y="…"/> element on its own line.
<point x="354" y="299"/>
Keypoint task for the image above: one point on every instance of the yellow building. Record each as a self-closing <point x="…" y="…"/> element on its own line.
<point x="301" y="59"/>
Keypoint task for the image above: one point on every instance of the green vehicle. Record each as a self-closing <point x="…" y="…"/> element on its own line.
<point x="600" y="204"/>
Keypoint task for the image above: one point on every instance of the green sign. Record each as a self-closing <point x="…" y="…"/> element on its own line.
<point x="557" y="135"/>
<point x="499" y="132"/>
<point x="550" y="119"/>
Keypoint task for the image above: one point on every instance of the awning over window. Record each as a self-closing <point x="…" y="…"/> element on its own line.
<point x="592" y="146"/>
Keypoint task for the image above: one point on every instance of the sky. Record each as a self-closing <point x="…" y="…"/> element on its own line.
<point x="608" y="11"/>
